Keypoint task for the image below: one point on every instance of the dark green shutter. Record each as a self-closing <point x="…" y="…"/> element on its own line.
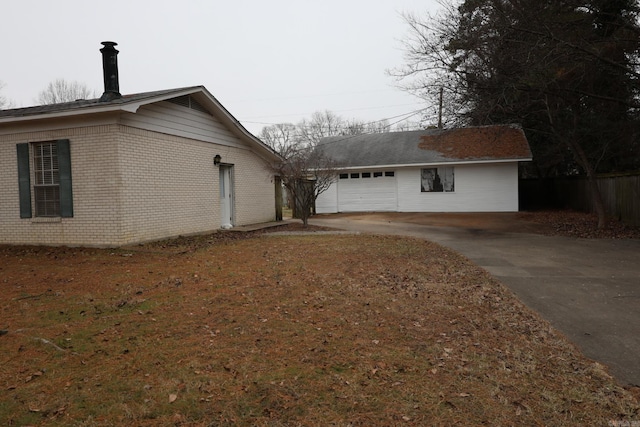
<point x="24" y="180"/>
<point x="64" y="169"/>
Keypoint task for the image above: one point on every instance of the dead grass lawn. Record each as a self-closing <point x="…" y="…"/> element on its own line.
<point x="288" y="330"/>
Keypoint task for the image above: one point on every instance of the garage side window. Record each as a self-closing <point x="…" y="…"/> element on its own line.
<point x="437" y="180"/>
<point x="52" y="196"/>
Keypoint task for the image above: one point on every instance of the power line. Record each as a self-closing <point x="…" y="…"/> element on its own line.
<point x="404" y="116"/>
<point x="348" y="137"/>
<point x="335" y="111"/>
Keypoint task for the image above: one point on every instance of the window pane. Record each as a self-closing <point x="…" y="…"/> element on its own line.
<point x="437" y="179"/>
<point x="429" y="180"/>
<point x="447" y="174"/>
<point x="47" y="200"/>
<point x="47" y="179"/>
<point x="46" y="163"/>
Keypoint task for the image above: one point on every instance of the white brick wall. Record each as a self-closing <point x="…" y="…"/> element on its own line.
<point x="132" y="185"/>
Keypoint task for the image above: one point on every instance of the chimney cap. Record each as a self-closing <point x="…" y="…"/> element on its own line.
<point x="110" y="44"/>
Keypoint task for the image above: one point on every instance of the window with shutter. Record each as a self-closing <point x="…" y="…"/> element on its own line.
<point x="52" y="196"/>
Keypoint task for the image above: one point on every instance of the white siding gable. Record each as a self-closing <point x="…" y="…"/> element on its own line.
<point x="172" y="119"/>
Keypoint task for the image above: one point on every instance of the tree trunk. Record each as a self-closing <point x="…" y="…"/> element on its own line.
<point x="581" y="158"/>
<point x="278" y="190"/>
<point x="596" y="194"/>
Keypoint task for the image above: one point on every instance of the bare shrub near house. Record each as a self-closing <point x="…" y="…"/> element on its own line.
<point x="306" y="173"/>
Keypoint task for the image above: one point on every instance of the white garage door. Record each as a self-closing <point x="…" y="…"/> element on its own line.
<point x="367" y="192"/>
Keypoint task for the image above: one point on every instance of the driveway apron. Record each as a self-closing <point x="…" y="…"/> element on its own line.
<point x="589" y="289"/>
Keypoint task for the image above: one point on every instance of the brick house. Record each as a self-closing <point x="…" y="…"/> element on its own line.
<point x="127" y="169"/>
<point x="472" y="169"/>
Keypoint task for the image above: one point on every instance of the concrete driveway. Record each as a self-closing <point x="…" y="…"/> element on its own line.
<point x="589" y="289"/>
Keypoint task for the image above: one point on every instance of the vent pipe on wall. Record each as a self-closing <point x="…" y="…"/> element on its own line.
<point x="110" y="72"/>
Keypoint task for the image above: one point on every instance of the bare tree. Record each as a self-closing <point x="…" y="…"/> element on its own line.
<point x="568" y="71"/>
<point x="379" y="126"/>
<point x="61" y="90"/>
<point x="407" y="126"/>
<point x="4" y="102"/>
<point x="305" y="173"/>
<point x="322" y="124"/>
<point x="358" y="127"/>
<point x="281" y="137"/>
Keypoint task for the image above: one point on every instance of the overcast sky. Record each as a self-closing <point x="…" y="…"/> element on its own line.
<point x="266" y="61"/>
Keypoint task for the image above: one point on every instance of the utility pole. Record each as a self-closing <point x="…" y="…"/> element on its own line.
<point x="440" y="110"/>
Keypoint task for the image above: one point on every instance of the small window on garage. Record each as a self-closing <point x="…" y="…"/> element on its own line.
<point x="366" y="174"/>
<point x="344" y="176"/>
<point x="355" y="175"/>
<point x="390" y="173"/>
<point x="377" y="174"/>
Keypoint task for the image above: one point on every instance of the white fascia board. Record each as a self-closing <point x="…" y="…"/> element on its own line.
<point x="415" y="165"/>
<point x="130" y="108"/>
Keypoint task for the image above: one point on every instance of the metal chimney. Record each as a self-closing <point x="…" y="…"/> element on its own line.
<point x="110" y="72"/>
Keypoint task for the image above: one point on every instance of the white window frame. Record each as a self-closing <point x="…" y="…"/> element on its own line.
<point x="46" y="187"/>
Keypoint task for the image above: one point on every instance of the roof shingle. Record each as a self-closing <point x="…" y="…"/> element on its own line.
<point x="479" y="144"/>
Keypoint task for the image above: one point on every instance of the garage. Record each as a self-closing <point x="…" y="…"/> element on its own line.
<point x="369" y="191"/>
<point x="471" y="169"/>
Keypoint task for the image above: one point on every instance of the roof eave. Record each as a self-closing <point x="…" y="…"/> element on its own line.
<point x="438" y="163"/>
<point x="133" y="106"/>
<point x="130" y="108"/>
<point x="121" y="104"/>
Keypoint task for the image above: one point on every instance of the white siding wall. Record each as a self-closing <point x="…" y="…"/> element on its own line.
<point x="478" y="188"/>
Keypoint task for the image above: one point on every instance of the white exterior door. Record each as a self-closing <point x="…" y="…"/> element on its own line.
<point x="226" y="197"/>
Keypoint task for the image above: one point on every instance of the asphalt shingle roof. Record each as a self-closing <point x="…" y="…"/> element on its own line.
<point x="87" y="104"/>
<point x="484" y="143"/>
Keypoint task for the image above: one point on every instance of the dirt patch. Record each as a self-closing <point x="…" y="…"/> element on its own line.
<point x="551" y="223"/>
<point x="237" y="329"/>
<point x="578" y="224"/>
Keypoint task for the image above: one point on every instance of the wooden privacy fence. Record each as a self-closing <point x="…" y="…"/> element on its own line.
<point x="620" y="194"/>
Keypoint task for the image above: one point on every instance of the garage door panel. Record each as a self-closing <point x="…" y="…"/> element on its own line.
<point x="364" y="194"/>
